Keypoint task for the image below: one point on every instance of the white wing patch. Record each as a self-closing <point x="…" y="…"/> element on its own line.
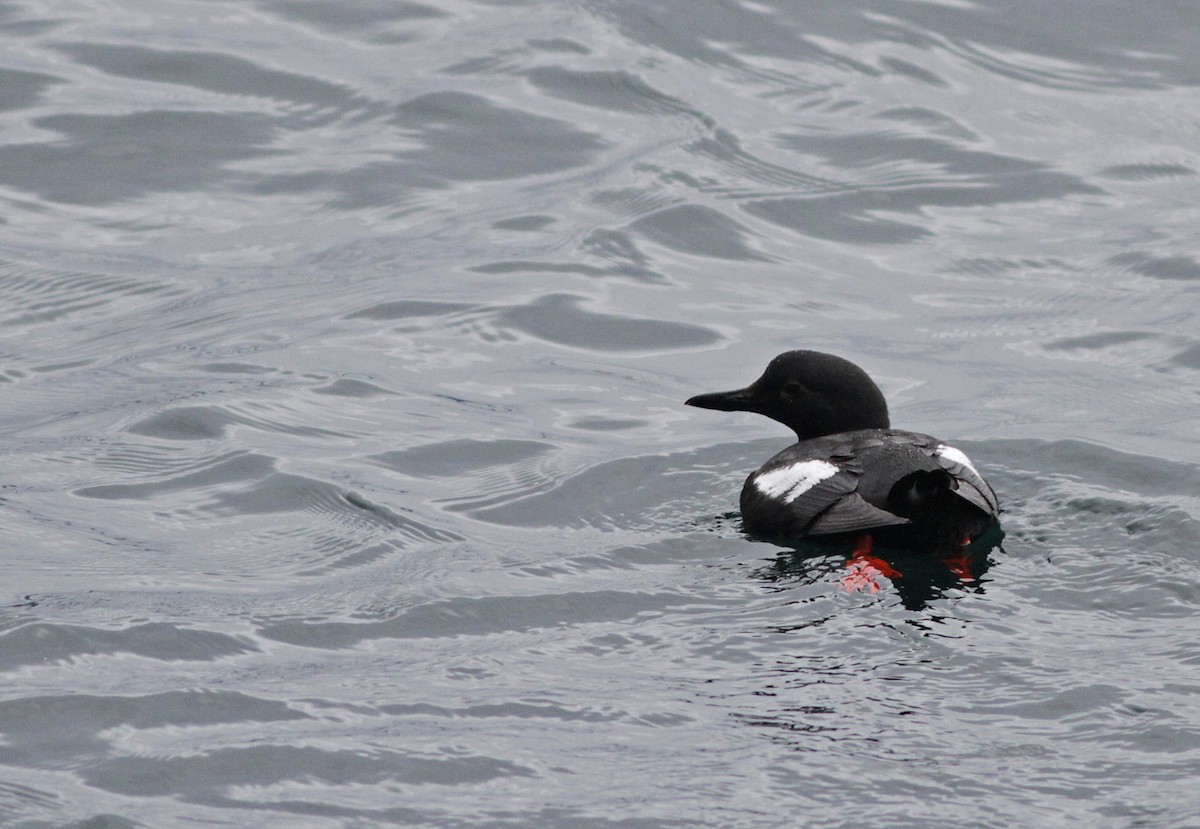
<point x="955" y="456"/>
<point x="790" y="482"/>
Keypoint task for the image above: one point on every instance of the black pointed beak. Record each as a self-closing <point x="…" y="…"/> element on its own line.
<point x="742" y="400"/>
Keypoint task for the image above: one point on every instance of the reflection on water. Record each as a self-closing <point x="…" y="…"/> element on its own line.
<point x="346" y="475"/>
<point x="916" y="578"/>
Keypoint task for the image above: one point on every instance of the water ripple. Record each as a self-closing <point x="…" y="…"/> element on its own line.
<point x="347" y="479"/>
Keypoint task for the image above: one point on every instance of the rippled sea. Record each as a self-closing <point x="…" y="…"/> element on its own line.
<point x="345" y="479"/>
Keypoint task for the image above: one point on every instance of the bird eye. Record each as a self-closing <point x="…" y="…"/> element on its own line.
<point x="793" y="389"/>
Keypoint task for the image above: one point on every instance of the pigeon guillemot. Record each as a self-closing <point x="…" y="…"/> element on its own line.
<point x="851" y="472"/>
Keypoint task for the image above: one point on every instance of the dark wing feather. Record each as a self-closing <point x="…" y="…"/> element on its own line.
<point x="830" y="505"/>
<point x="971" y="484"/>
<point x="851" y="514"/>
<point x="847" y="483"/>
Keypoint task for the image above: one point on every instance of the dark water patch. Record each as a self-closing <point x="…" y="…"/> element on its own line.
<point x="45" y="731"/>
<point x="725" y="148"/>
<point x="40" y="642"/>
<point x="8" y="11"/>
<point x="699" y="543"/>
<point x="185" y="423"/>
<point x="50" y="368"/>
<point x="627" y="493"/>
<point x="250" y="369"/>
<point x="519" y="710"/>
<point x="911" y="70"/>
<point x="332" y="553"/>
<point x="932" y="120"/>
<point x="621" y="252"/>
<point x="368" y="185"/>
<point x="633" y="202"/>
<point x="1160" y="267"/>
<point x="468" y="138"/>
<point x="463" y="138"/>
<point x="19" y="90"/>
<point x="407" y="309"/>
<point x="1111" y="529"/>
<point x="276" y="492"/>
<point x="218" y="470"/>
<point x="717" y="35"/>
<point x="571" y="817"/>
<point x="1097" y="342"/>
<point x="1086" y="47"/>
<point x="965" y="177"/>
<point x="103" y="820"/>
<point x="1046" y="73"/>
<point x="699" y="231"/>
<point x="476" y="616"/>
<point x="16" y="798"/>
<point x="1146" y="172"/>
<point x="140" y="153"/>
<point x="856" y="312"/>
<point x="525" y="224"/>
<point x="620" y="91"/>
<point x="592" y="564"/>
<point x="557" y="318"/>
<point x="213" y="72"/>
<point x="1188" y="358"/>
<point x="501" y="63"/>
<point x="990" y="265"/>
<point x="393" y="519"/>
<point x="346" y="387"/>
<point x="458" y="457"/>
<point x="208" y="777"/>
<point x="534" y="267"/>
<point x="487" y="472"/>
<point x="1102" y="466"/>
<point x="607" y="424"/>
<point x="560" y="45"/>
<point x="368" y="17"/>
<point x="280" y="492"/>
<point x="844" y="218"/>
<point x="136" y="459"/>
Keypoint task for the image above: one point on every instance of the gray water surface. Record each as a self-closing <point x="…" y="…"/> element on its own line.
<point x="346" y="477"/>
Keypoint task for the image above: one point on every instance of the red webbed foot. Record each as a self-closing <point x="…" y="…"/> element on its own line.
<point x="863" y="568"/>
<point x="960" y="562"/>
